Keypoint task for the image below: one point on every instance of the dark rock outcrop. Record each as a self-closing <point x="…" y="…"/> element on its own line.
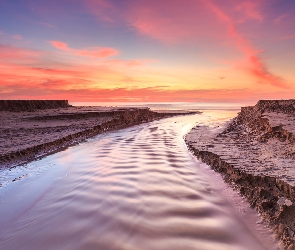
<point x="31" y="105"/>
<point x="282" y="106"/>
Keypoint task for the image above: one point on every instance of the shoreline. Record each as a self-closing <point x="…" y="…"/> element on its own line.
<point x="45" y="127"/>
<point x="254" y="153"/>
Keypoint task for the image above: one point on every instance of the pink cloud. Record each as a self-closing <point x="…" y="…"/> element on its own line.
<point x="257" y="68"/>
<point x="174" y="21"/>
<point x="46" y="79"/>
<point x="254" y="65"/>
<point x="79" y="82"/>
<point x="21" y="55"/>
<point x="251" y="10"/>
<point x="51" y="89"/>
<point x="46" y="24"/>
<point x="288" y="37"/>
<point x="103" y="9"/>
<point x="60" y="45"/>
<point x="129" y="63"/>
<point x="169" y="21"/>
<point x="35" y="78"/>
<point x="96" y="52"/>
<point x="279" y="19"/>
<point x="148" y="19"/>
<point x="17" y="37"/>
<point x="54" y="72"/>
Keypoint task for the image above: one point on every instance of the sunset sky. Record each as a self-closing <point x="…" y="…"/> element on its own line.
<point x="147" y="50"/>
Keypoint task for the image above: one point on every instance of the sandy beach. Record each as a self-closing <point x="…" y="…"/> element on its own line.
<point x="255" y="153"/>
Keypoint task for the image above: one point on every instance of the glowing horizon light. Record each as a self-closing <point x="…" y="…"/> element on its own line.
<point x="155" y="51"/>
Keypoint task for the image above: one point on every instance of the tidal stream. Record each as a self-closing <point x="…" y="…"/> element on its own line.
<point x="136" y="188"/>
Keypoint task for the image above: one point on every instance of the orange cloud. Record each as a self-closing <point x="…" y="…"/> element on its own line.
<point x="96" y="52"/>
<point x="128" y="63"/>
<point x="36" y="75"/>
<point x="51" y="90"/>
<point x="84" y="82"/>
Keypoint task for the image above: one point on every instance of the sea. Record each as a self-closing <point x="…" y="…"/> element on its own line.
<point x="137" y="188"/>
<point x="189" y="106"/>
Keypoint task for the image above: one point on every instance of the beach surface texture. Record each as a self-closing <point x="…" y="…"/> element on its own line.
<point x="255" y="152"/>
<point x="31" y="128"/>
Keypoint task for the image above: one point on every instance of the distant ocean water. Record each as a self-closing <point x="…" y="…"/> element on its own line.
<point x="190" y="106"/>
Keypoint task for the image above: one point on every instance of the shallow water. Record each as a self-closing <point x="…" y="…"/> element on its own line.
<point x="136" y="188"/>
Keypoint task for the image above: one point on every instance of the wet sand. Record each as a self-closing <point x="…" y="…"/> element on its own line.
<point x="34" y="132"/>
<point x="256" y="153"/>
<point x="134" y="188"/>
<point x="27" y="135"/>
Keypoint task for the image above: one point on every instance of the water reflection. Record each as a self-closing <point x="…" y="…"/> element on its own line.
<point x="137" y="188"/>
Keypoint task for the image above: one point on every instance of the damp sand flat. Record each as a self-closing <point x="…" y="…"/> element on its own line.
<point x="26" y="135"/>
<point x="137" y="188"/>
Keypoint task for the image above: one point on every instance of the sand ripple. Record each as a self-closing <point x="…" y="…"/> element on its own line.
<point x="137" y="188"/>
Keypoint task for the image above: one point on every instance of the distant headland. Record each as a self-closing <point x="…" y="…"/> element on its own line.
<point x="30" y="105"/>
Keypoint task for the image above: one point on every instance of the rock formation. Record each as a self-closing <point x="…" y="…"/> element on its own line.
<point x="255" y="152"/>
<point x="31" y="105"/>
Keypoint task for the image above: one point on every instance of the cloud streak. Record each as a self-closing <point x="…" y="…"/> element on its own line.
<point x="50" y="89"/>
<point x="254" y="65"/>
<point x="95" y="52"/>
<point x="251" y="10"/>
<point x="18" y="55"/>
<point x="169" y="50"/>
<point x="80" y="82"/>
<point x="34" y="73"/>
<point x="175" y="22"/>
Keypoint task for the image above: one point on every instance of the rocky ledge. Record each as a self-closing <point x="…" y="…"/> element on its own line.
<point x="27" y="135"/>
<point x="31" y="105"/>
<point x="255" y="152"/>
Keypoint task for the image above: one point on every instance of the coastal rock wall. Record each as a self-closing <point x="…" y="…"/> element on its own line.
<point x="257" y="119"/>
<point x="30" y="105"/>
<point x="283" y="106"/>
<point x="273" y="198"/>
<point x="251" y="114"/>
<point x="255" y="152"/>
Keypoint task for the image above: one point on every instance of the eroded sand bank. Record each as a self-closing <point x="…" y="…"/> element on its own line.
<point x="29" y="129"/>
<point x="255" y="152"/>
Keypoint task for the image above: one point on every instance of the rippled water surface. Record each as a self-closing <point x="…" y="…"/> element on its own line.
<point x="136" y="188"/>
